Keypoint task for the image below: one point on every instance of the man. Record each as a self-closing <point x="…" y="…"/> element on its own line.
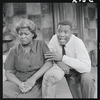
<point x="70" y="58"/>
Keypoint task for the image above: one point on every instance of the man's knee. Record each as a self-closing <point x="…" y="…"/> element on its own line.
<point x="53" y="75"/>
<point x="87" y="78"/>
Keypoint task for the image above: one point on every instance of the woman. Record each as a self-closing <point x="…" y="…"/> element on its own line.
<point x="25" y="64"/>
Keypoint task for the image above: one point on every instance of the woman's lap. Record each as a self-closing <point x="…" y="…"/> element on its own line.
<point x="11" y="90"/>
<point x="36" y="92"/>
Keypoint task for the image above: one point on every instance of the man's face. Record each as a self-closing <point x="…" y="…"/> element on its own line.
<point x="25" y="36"/>
<point x="63" y="34"/>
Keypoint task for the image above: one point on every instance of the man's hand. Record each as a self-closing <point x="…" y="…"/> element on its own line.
<point x="53" y="56"/>
<point x="63" y="66"/>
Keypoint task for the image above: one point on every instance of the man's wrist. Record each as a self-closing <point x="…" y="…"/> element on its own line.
<point x="19" y="82"/>
<point x="58" y="62"/>
<point x="61" y="58"/>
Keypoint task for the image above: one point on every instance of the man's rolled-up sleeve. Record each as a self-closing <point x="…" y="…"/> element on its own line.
<point x="81" y="62"/>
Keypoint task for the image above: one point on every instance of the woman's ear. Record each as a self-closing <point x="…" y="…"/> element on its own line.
<point x="32" y="35"/>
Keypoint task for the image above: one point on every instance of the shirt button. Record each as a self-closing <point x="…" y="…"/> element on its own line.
<point x="29" y="66"/>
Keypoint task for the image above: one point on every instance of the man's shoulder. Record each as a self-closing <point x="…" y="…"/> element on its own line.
<point x="76" y="39"/>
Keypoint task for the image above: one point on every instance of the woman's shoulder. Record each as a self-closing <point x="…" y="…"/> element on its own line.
<point x="14" y="48"/>
<point x="41" y="42"/>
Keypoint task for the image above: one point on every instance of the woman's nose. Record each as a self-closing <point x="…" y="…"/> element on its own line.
<point x="23" y="36"/>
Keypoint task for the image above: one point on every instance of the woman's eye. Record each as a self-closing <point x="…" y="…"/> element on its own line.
<point x="26" y="33"/>
<point x="20" y="34"/>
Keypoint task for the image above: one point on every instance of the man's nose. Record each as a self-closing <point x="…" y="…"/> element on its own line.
<point x="62" y="34"/>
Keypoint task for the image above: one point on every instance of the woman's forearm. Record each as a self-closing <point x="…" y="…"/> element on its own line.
<point x="12" y="78"/>
<point x="42" y="70"/>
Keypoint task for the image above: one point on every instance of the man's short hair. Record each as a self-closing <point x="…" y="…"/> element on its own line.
<point x="65" y="22"/>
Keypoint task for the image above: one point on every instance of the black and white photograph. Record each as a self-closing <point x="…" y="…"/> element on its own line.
<point x="49" y="50"/>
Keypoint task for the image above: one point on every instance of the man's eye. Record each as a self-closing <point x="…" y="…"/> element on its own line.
<point x="59" y="31"/>
<point x="65" y="31"/>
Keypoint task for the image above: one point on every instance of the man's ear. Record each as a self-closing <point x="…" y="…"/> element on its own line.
<point x="71" y="31"/>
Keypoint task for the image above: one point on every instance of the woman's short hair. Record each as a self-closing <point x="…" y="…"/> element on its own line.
<point x="26" y="23"/>
<point x="65" y="22"/>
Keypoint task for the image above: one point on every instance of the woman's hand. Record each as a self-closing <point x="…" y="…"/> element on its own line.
<point x="22" y="86"/>
<point x="29" y="83"/>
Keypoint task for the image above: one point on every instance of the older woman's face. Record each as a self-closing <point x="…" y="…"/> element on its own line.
<point x="25" y="36"/>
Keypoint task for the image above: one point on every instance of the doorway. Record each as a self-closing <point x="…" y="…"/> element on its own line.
<point x="69" y="11"/>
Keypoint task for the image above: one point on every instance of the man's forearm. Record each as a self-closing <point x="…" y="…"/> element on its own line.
<point x="63" y="66"/>
<point x="83" y="65"/>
